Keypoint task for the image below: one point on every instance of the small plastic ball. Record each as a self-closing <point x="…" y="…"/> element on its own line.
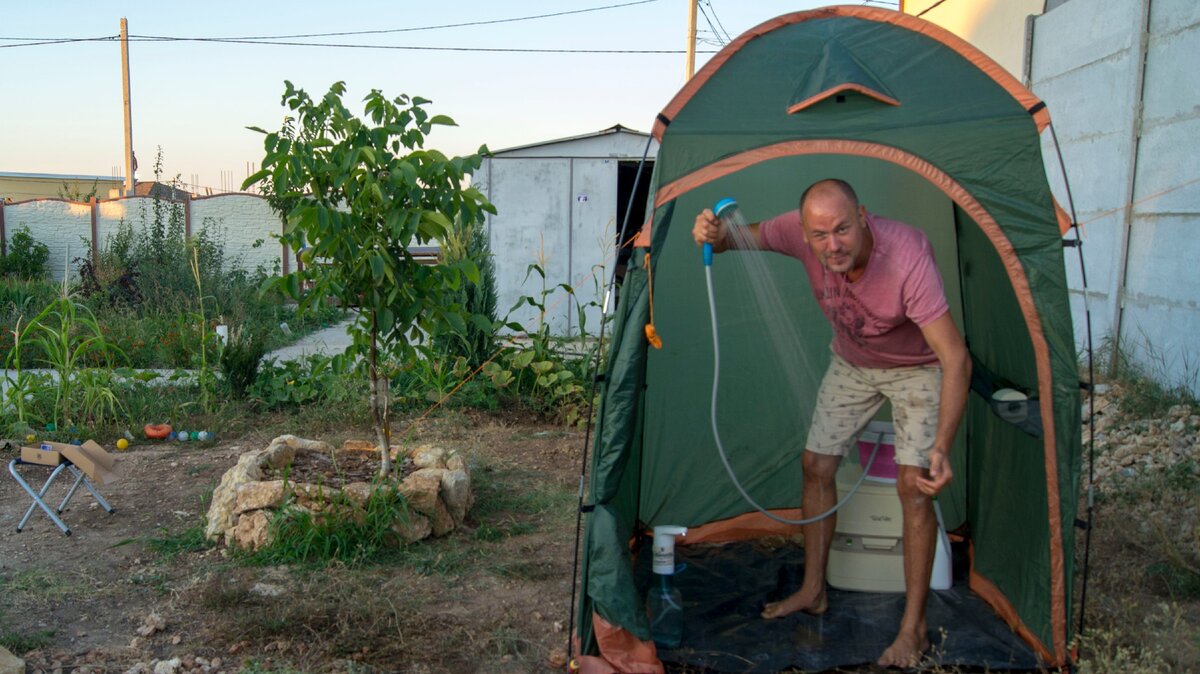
<point x="204" y="435"/>
<point x="76" y="441"/>
<point x="51" y="426"/>
<point x="122" y="444"/>
<point x="30" y="438"/>
<point x="181" y="436"/>
<point x="193" y="435"/>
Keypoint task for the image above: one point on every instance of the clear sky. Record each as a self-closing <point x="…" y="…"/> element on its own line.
<point x="61" y="110"/>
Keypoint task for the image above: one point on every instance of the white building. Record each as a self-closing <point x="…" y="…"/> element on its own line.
<point x="560" y="206"/>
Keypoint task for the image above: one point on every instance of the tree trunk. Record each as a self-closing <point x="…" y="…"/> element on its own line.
<point x="379" y="405"/>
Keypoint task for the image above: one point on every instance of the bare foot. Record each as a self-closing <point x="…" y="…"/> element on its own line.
<point x="906" y="651"/>
<point x="800" y="601"/>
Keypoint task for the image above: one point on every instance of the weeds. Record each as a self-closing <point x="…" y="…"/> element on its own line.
<point x="1151" y="387"/>
<point x="20" y="644"/>
<point x="1163" y="643"/>
<point x="169" y="545"/>
<point x="337" y="532"/>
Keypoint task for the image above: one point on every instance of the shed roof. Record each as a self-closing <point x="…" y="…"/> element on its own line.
<point x="615" y="141"/>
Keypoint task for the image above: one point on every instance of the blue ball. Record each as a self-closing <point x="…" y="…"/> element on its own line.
<point x="182" y="436"/>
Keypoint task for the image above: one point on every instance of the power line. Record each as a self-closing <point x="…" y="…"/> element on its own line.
<point x="34" y="41"/>
<point x="707" y="20"/>
<point x="44" y="41"/>
<point x="718" y="20"/>
<point x="448" y="25"/>
<point x="510" y="50"/>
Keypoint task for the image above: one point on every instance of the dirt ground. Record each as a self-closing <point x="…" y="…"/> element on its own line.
<point x="102" y="600"/>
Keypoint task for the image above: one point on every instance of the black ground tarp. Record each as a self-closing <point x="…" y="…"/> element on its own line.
<point x="725" y="587"/>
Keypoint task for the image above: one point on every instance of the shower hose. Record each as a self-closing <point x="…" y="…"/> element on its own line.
<point x="712" y="311"/>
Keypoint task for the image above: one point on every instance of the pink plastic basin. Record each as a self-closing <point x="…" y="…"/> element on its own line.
<point x="884" y="467"/>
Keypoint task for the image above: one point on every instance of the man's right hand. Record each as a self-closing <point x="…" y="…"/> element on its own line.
<point x="709" y="229"/>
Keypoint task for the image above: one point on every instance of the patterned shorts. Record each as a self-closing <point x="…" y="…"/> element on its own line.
<point x="850" y="396"/>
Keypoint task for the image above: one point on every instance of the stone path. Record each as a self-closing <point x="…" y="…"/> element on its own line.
<point x="328" y="342"/>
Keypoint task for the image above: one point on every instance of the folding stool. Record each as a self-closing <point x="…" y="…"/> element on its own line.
<point x="39" y="496"/>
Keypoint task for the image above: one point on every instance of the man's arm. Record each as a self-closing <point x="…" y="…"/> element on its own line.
<point x="943" y="337"/>
<point x="709" y="229"/>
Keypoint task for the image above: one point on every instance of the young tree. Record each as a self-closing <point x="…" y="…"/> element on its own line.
<point x="359" y="193"/>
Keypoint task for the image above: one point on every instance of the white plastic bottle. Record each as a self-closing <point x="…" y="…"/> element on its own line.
<point x="664" y="604"/>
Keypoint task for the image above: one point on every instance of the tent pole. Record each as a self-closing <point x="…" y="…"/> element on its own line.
<point x="1087" y="318"/>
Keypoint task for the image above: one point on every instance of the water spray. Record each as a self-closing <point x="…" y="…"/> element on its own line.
<point x="730" y="215"/>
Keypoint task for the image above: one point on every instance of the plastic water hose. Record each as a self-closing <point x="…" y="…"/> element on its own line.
<point x="712" y="311"/>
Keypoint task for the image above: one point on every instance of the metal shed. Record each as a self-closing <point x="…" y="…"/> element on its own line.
<point x="560" y="205"/>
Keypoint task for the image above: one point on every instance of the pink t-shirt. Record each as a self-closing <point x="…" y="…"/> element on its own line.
<point x="877" y="319"/>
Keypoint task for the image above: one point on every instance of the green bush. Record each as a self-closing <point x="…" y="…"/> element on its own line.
<point x="300" y="382"/>
<point x="240" y="358"/>
<point x="26" y="257"/>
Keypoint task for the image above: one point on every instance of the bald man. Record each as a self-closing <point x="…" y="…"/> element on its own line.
<point x="877" y="283"/>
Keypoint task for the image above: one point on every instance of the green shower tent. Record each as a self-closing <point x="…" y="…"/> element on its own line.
<point x="929" y="131"/>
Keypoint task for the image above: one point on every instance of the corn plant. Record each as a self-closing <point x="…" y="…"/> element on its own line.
<point x="205" y="377"/>
<point x="67" y="335"/>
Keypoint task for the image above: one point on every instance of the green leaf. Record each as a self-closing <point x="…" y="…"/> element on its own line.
<point x="471" y="270"/>
<point x="255" y="178"/>
<point x="376" y="263"/>
<point x="442" y="119"/>
<point x="387" y="320"/>
<point x="483" y="323"/>
<point x="523" y="359"/>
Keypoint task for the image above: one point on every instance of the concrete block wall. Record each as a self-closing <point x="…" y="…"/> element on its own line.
<point x="243" y="221"/>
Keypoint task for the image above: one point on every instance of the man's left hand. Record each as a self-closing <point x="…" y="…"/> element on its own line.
<point x="940" y="473"/>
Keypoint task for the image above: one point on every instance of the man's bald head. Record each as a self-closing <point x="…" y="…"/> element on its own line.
<point x="830" y="186"/>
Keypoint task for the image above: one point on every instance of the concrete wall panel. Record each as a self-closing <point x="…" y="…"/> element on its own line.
<point x="1085" y="65"/>
<point x="1081" y="32"/>
<point x="1168" y="178"/>
<point x="1170" y="90"/>
<point x="1169" y="16"/>
<point x="246" y="223"/>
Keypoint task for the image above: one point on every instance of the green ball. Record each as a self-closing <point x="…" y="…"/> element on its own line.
<point x="194" y="435"/>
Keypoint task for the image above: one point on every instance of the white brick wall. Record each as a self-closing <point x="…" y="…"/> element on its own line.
<point x="241" y="220"/>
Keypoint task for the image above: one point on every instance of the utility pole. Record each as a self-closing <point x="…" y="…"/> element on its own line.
<point x="129" y="191"/>
<point x="691" y="39"/>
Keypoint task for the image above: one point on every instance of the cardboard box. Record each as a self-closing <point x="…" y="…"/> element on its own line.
<point x="89" y="457"/>
<point x="45" y="455"/>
